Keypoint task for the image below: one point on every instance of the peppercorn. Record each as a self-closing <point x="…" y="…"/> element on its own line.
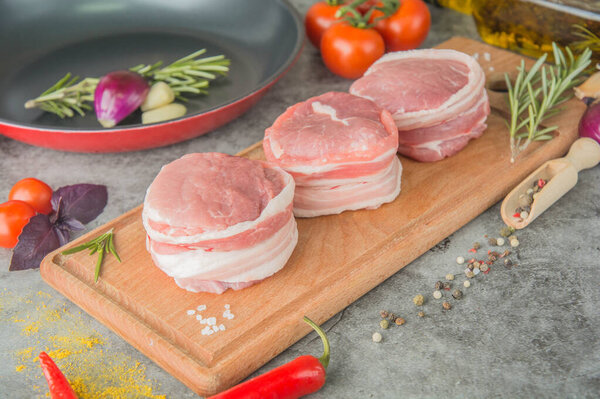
<point x="492" y="241"/>
<point x="508" y="263"/>
<point x="384" y="324"/>
<point x="457" y="294"/>
<point x="439" y="285"/>
<point x="421" y="314"/>
<point x="449" y="277"/>
<point x="384" y="314"/>
<point x="460" y="260"/>
<point x="500" y="241"/>
<point x="446" y="305"/>
<point x="484" y="268"/>
<point x="524" y="214"/>
<point x="392" y="317"/>
<point x="492" y="257"/>
<point x="470" y="274"/>
<point x="467" y="283"/>
<point x="505" y="253"/>
<point x="418" y="300"/>
<point x="471" y="266"/>
<point x="525" y="199"/>
<point x="476" y="246"/>
<point x="506" y="231"/>
<point x="437" y="294"/>
<point x="377" y="337"/>
<point x="447" y="286"/>
<point x="514" y="243"/>
<point x="400" y="321"/>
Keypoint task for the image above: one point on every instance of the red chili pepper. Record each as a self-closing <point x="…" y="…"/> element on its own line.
<point x="517" y="215"/>
<point x="301" y="376"/>
<point x="57" y="382"/>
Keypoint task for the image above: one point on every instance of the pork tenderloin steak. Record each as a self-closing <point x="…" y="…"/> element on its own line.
<point x="436" y="97"/>
<point x="341" y="151"/>
<point x="215" y="221"/>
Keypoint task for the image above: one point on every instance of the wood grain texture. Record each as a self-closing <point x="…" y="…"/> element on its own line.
<point x="338" y="258"/>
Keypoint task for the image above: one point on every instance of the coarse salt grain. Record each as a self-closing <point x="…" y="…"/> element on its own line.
<point x="227" y="306"/>
<point x="377" y="337"/>
<point x="201" y="308"/>
<point x="491" y="69"/>
<point x="198" y="317"/>
<point x="437" y="294"/>
<point x="207" y="330"/>
<point x="211" y="321"/>
<point x="222" y="327"/>
<point x="215" y="328"/>
<point x="203" y="321"/>
<point x="460" y="260"/>
<point x="476" y="56"/>
<point x="487" y="56"/>
<point x="191" y="312"/>
<point x="467" y="283"/>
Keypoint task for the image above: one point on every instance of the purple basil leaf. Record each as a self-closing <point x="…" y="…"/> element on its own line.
<point x="71" y="224"/>
<point x="37" y="239"/>
<point x="63" y="235"/>
<point x="83" y="202"/>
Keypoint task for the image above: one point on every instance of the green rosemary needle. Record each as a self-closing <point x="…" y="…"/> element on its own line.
<point x="189" y="75"/>
<point x="535" y="94"/>
<point x="101" y="244"/>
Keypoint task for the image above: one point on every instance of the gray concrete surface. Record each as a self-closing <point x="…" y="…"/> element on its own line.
<point x="529" y="331"/>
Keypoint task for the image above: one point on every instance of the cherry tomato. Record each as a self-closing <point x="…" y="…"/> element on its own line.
<point x="14" y="215"/>
<point x="349" y="51"/>
<point x="33" y="191"/>
<point x="407" y="28"/>
<point x="319" y="17"/>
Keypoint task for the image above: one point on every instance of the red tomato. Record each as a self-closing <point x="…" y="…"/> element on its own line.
<point x="33" y="191"/>
<point x="407" y="28"/>
<point x="319" y="17"/>
<point x="348" y="51"/>
<point x="14" y="215"/>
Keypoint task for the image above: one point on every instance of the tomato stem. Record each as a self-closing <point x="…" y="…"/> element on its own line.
<point x="334" y="3"/>
<point x="350" y="14"/>
<point x="388" y="8"/>
<point x="325" y="358"/>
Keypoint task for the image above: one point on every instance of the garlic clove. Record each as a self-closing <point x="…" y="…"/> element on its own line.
<point x="160" y="94"/>
<point x="164" y="113"/>
<point x="589" y="88"/>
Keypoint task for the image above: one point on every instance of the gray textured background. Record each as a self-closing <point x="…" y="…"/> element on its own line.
<point x="531" y="331"/>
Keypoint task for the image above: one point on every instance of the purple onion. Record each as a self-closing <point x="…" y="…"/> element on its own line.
<point x="589" y="125"/>
<point x="117" y="95"/>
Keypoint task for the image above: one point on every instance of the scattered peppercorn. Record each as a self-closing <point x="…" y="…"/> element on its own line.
<point x="421" y="314"/>
<point x="384" y="324"/>
<point x="418" y="300"/>
<point x="471" y="266"/>
<point x="457" y="294"/>
<point x="437" y="294"/>
<point x="514" y="243"/>
<point x="484" y="268"/>
<point x="377" y="337"/>
<point x="439" y="285"/>
<point x="447" y="286"/>
<point x="449" y="277"/>
<point x="384" y="314"/>
<point x="460" y="260"/>
<point x="400" y="321"/>
<point x="446" y="305"/>
<point x="392" y="317"/>
<point x="506" y="231"/>
<point x="508" y="263"/>
<point x="505" y="253"/>
<point x="476" y="246"/>
<point x="500" y="241"/>
<point x="492" y="241"/>
<point x="470" y="274"/>
<point x="467" y="283"/>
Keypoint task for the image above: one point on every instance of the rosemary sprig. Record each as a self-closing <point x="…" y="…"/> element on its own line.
<point x="535" y="94"/>
<point x="103" y="244"/>
<point x="188" y="75"/>
<point x="589" y="39"/>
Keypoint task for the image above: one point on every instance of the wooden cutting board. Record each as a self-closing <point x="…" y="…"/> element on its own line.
<point x="337" y="260"/>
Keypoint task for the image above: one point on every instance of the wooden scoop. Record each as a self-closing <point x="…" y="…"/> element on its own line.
<point x="561" y="176"/>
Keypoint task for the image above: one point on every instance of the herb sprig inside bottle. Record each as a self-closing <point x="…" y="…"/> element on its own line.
<point x="102" y="244"/>
<point x="190" y="75"/>
<point x="534" y="95"/>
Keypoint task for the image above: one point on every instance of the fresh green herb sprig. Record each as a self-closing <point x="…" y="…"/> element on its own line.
<point x="103" y="244"/>
<point x="535" y="94"/>
<point x="188" y="75"/>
